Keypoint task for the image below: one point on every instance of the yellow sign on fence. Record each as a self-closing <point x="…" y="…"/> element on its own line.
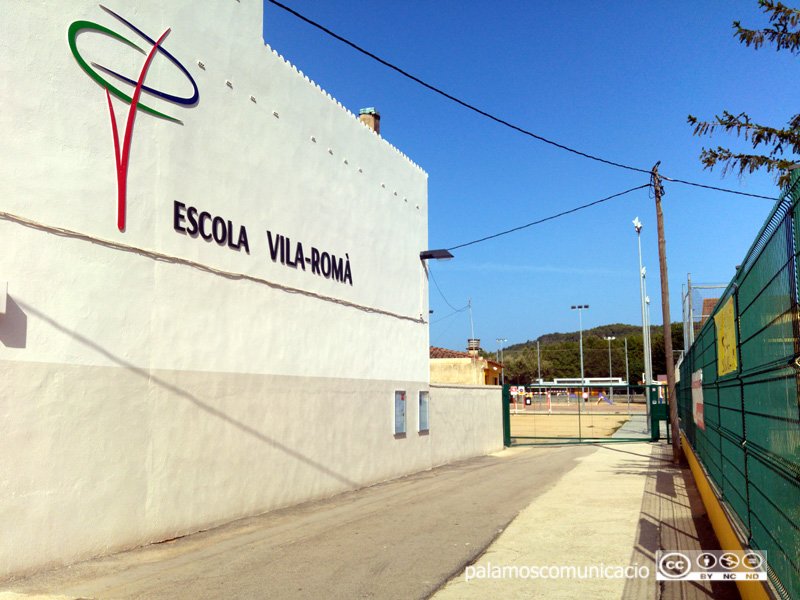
<point x="725" y="321"/>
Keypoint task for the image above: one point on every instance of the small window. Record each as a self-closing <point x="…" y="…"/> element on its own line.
<point x="399" y="413"/>
<point x="423" y="411"/>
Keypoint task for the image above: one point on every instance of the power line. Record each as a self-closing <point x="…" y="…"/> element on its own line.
<point x="561" y="214"/>
<point x="450" y="97"/>
<point x="455" y="312"/>
<point x="489" y="115"/>
<point x="711" y="187"/>
<point x="442" y="294"/>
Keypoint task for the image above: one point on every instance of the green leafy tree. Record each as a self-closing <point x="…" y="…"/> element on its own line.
<point x="560" y="354"/>
<point x="783" y="33"/>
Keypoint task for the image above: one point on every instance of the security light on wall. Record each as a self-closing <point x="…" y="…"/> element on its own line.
<point x="437" y="254"/>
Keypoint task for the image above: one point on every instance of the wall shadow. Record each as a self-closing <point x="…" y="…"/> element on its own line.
<point x="13" y="326"/>
<point x="146" y="374"/>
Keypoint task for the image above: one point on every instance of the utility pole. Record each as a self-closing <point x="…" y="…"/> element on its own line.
<point x="662" y="259"/>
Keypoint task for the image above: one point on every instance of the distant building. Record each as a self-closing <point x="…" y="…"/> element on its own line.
<point x="451" y="366"/>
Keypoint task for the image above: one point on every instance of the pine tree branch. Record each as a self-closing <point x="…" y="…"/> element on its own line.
<point x="742" y="163"/>
<point x="783" y="33"/>
<point x="780" y="13"/>
<point x="754" y="133"/>
<point x="783" y="20"/>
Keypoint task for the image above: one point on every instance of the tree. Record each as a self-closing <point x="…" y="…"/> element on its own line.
<point x="785" y="35"/>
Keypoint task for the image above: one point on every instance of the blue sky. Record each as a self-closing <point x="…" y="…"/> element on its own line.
<point x="612" y="79"/>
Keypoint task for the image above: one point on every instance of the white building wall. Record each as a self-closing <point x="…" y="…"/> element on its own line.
<point x="154" y="383"/>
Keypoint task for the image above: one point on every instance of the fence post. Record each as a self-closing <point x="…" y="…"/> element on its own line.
<point x="506" y="416"/>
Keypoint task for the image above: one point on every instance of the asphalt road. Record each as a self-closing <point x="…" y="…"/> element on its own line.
<point x="400" y="539"/>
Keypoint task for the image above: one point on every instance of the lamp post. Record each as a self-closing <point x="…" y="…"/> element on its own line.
<point x="579" y="308"/>
<point x="502" y="365"/>
<point x="647" y="374"/>
<point x="627" y="376"/>
<point x="539" y="364"/>
<point x="648" y="339"/>
<point x="538" y="361"/>
<point x="610" y="373"/>
<point x="645" y="328"/>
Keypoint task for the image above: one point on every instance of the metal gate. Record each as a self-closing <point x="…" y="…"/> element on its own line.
<point x="592" y="413"/>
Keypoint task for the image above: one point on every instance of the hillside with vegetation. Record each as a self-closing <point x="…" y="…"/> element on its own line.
<point x="560" y="354"/>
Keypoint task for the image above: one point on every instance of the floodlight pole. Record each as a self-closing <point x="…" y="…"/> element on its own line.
<point x="580" y="308"/>
<point x="538" y="361"/>
<point x="648" y="337"/>
<point x="647" y="374"/>
<point x="610" y="373"/>
<point x="502" y="364"/>
<point x="627" y="376"/>
<point x="645" y="327"/>
<point x="662" y="258"/>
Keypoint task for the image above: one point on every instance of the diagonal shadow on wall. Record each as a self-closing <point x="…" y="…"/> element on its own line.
<point x="145" y="373"/>
<point x="13" y="326"/>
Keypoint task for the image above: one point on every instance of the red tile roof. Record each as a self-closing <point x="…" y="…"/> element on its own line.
<point x="445" y="353"/>
<point x="708" y="307"/>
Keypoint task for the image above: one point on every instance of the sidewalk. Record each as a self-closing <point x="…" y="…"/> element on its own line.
<point x="616" y="508"/>
<point x="572" y="505"/>
<point x="636" y="427"/>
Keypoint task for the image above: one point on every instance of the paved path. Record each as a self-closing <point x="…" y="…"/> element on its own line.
<point x="617" y="507"/>
<point x="401" y="539"/>
<point x="589" y="519"/>
<point x="609" y="505"/>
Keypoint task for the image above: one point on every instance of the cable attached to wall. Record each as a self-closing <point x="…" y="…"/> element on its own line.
<point x="190" y="263"/>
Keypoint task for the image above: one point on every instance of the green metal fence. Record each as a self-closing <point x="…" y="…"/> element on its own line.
<point x="557" y="415"/>
<point x="738" y="394"/>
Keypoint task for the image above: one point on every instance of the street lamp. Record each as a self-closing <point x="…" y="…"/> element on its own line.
<point x="610" y="374"/>
<point x="627" y="377"/>
<point x="647" y="374"/>
<point x="645" y="327"/>
<point x="538" y="361"/>
<point x="435" y="254"/>
<point x="648" y="340"/>
<point x="502" y="365"/>
<point x="580" y="308"/>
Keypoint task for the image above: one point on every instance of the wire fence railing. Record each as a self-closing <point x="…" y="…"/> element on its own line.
<point x="738" y="394"/>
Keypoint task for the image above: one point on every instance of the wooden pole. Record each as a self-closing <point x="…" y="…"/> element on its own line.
<point x="662" y="259"/>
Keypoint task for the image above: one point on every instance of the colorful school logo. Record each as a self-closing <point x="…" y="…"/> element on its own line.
<point x="121" y="157"/>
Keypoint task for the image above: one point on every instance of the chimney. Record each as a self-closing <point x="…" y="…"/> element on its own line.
<point x="371" y="118"/>
<point x="473" y="346"/>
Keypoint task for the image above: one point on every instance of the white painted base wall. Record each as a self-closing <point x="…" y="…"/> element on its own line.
<point x="112" y="458"/>
<point x="155" y="382"/>
<point x="466" y="421"/>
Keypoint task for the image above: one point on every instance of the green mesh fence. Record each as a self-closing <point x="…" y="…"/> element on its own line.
<point x="738" y="394"/>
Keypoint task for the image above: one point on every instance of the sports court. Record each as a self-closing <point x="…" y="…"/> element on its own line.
<point x="567" y="414"/>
